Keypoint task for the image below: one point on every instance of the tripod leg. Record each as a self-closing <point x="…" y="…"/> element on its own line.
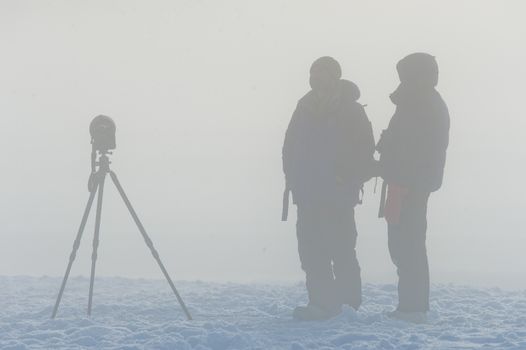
<point x="76" y="245"/>
<point x="96" y="240"/>
<point x="149" y="243"/>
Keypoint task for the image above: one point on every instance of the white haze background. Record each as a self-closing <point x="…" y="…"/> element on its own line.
<point x="202" y="92"/>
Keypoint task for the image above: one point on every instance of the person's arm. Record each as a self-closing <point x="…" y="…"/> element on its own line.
<point x="366" y="147"/>
<point x="354" y="147"/>
<point x="289" y="148"/>
<point x="431" y="157"/>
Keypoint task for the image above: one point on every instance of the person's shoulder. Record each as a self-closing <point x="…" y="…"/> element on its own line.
<point x="440" y="105"/>
<point x="307" y="100"/>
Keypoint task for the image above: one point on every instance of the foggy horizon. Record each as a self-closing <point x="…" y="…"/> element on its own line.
<point x="202" y="93"/>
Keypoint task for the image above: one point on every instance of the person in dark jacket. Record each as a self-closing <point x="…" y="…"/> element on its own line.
<point x="412" y="158"/>
<point x="327" y="156"/>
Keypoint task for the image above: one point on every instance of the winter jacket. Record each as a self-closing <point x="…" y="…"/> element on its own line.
<point x="413" y="147"/>
<point x="328" y="149"/>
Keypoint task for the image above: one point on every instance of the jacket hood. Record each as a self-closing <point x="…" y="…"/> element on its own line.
<point x="418" y="73"/>
<point x="418" y="70"/>
<point x="346" y="91"/>
<point x="349" y="90"/>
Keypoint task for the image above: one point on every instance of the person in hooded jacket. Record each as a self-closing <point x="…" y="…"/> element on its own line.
<point x="412" y="159"/>
<point x="327" y="156"/>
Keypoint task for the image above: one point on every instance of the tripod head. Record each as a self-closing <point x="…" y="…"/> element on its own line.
<point x="103" y="162"/>
<point x="100" y="166"/>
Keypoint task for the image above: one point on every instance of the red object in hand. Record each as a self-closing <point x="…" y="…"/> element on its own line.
<point x="393" y="203"/>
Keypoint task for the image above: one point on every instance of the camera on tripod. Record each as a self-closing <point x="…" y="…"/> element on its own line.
<point x="102" y="130"/>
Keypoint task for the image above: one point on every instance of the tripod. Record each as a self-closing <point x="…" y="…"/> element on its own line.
<point x="96" y="183"/>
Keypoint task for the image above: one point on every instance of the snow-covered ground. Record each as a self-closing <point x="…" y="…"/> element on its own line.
<point x="143" y="314"/>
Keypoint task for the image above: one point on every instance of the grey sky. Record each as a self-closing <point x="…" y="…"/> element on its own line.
<point x="202" y="91"/>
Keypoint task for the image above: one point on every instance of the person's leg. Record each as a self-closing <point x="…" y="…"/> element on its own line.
<point x="314" y="257"/>
<point x="408" y="252"/>
<point x="345" y="264"/>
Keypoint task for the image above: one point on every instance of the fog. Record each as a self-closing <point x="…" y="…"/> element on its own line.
<point x="202" y="93"/>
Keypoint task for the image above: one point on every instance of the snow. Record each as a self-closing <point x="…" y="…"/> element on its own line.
<point x="143" y="314"/>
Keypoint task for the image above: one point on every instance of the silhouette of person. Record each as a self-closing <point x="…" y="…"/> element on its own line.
<point x="327" y="156"/>
<point x="412" y="158"/>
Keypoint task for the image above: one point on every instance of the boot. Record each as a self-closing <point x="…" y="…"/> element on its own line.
<point x="314" y="312"/>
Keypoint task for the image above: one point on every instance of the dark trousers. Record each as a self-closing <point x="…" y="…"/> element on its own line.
<point x="407" y="246"/>
<point x="326" y="244"/>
